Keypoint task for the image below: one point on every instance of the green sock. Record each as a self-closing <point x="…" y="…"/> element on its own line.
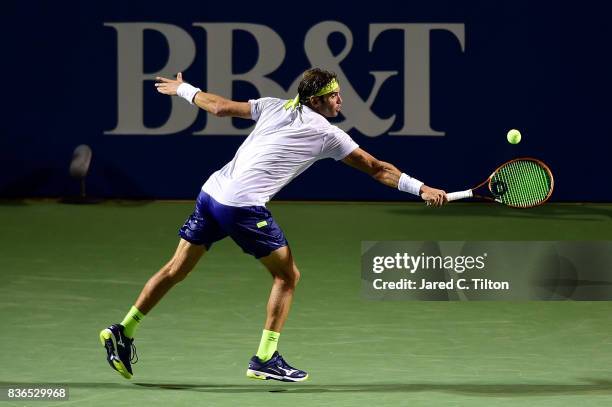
<point x="268" y="344"/>
<point x="131" y="321"/>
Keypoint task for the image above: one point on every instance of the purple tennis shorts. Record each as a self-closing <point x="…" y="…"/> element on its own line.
<point x="251" y="227"/>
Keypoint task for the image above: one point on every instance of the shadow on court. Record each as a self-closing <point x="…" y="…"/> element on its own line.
<point x="595" y="386"/>
<point x="581" y="212"/>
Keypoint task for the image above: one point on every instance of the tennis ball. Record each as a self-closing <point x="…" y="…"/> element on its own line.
<point x="514" y="136"/>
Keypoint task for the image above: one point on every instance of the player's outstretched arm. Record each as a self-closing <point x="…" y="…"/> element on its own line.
<point x="217" y="105"/>
<point x="389" y="175"/>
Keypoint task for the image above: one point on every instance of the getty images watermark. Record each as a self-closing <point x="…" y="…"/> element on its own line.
<point x="487" y="270"/>
<point x="413" y="264"/>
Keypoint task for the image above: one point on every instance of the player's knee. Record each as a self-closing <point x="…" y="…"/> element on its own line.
<point x="290" y="278"/>
<point x="296" y="275"/>
<point x="176" y="271"/>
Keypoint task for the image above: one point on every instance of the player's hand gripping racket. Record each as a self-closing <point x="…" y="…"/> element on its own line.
<point x="519" y="183"/>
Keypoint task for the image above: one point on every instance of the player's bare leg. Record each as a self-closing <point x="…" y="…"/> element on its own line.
<point x="118" y="338"/>
<point x="184" y="260"/>
<point x="285" y="276"/>
<point x="268" y="364"/>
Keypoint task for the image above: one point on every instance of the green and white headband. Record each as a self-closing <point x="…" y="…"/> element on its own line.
<point x="332" y="86"/>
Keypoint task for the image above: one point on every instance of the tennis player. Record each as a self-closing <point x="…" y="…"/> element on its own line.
<point x="290" y="136"/>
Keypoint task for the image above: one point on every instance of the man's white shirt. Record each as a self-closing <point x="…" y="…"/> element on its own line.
<point x="283" y="144"/>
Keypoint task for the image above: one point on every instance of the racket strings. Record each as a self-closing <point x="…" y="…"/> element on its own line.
<point x="531" y="190"/>
<point x="525" y="183"/>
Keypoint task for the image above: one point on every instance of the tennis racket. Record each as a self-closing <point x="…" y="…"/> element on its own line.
<point x="519" y="183"/>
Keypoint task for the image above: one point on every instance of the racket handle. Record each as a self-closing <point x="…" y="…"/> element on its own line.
<point x="453" y="196"/>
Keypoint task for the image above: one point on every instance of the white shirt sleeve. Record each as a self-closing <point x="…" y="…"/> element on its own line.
<point x="338" y="144"/>
<point x="259" y="105"/>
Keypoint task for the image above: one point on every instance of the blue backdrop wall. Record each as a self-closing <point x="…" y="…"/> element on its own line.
<point x="431" y="86"/>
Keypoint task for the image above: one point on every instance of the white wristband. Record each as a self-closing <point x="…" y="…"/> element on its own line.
<point x="409" y="184"/>
<point x="187" y="92"/>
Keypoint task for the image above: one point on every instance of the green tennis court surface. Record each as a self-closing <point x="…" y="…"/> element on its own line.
<point x="68" y="271"/>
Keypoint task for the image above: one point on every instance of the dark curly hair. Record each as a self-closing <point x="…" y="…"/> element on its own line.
<point x="312" y="81"/>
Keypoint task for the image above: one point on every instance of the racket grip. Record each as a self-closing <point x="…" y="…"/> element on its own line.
<point x="453" y="196"/>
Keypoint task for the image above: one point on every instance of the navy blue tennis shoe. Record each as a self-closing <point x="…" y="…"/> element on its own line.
<point x="275" y="369"/>
<point x="119" y="350"/>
